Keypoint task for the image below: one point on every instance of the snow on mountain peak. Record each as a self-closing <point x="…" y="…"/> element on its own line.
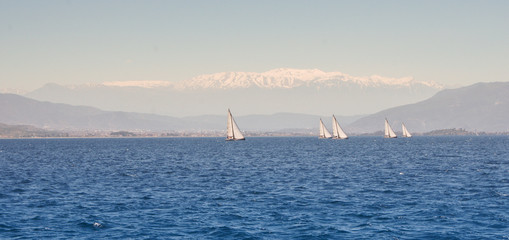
<point x="276" y="78"/>
<point x="142" y="84"/>
<point x="291" y="78"/>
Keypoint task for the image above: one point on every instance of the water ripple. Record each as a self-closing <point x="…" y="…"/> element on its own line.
<point x="261" y="188"/>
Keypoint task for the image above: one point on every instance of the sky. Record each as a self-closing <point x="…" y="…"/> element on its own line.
<point x="455" y="43"/>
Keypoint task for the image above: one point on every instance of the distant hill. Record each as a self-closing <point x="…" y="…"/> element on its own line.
<point x="479" y="107"/>
<point x="24" y="131"/>
<point x="18" y="110"/>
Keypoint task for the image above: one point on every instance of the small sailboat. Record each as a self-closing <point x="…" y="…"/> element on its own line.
<point x="337" y="131"/>
<point x="233" y="133"/>
<point x="406" y="133"/>
<point x="389" y="133"/>
<point x="324" y="133"/>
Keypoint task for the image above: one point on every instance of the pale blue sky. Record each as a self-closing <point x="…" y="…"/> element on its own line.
<point x="75" y="42"/>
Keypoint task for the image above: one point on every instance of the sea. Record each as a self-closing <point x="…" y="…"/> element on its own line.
<point x="449" y="187"/>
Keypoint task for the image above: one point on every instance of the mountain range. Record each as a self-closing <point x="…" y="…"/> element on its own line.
<point x="308" y="91"/>
<point x="479" y="107"/>
<point x="19" y="110"/>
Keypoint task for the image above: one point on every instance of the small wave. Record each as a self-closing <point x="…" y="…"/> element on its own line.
<point x="231" y="217"/>
<point x="498" y="226"/>
<point x="7" y="228"/>
<point x="228" y="232"/>
<point x="36" y="218"/>
<point x="255" y="192"/>
<point x="336" y="202"/>
<point x="502" y="194"/>
<point x="92" y="226"/>
<point x="446" y="156"/>
<point x="18" y="190"/>
<point x="3" y="226"/>
<point x="25" y="181"/>
<point x="361" y="215"/>
<point x="128" y="175"/>
<point x="361" y="226"/>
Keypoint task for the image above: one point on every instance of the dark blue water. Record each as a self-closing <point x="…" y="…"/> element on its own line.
<point x="261" y="188"/>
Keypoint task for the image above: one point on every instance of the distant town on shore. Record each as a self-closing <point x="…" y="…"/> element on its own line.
<point x="24" y="131"/>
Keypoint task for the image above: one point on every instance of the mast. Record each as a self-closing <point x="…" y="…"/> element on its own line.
<point x="337" y="130"/>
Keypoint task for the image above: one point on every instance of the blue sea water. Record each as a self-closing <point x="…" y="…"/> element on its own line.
<point x="261" y="188"/>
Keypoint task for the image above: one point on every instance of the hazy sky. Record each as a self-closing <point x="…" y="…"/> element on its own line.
<point x="74" y="42"/>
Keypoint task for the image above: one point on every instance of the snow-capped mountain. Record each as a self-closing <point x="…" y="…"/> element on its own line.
<point x="277" y="78"/>
<point x="310" y="91"/>
<point x="142" y="84"/>
<point x="292" y="78"/>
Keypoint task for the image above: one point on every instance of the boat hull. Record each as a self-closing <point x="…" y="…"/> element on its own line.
<point x="231" y="139"/>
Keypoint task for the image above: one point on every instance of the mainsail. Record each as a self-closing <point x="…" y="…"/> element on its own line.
<point x="406" y="133"/>
<point x="324" y="133"/>
<point x="233" y="132"/>
<point x="389" y="133"/>
<point x="337" y="131"/>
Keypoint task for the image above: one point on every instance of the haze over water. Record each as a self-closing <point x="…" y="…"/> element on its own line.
<point x="261" y="188"/>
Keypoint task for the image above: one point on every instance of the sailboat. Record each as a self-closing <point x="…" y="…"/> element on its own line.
<point x="337" y="131"/>
<point x="233" y="133"/>
<point x="389" y="133"/>
<point x="324" y="133"/>
<point x="406" y="133"/>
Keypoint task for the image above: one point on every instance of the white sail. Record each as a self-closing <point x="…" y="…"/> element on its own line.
<point x="324" y="133"/>
<point x="389" y="133"/>
<point x="406" y="133"/>
<point x="337" y="131"/>
<point x="233" y="131"/>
